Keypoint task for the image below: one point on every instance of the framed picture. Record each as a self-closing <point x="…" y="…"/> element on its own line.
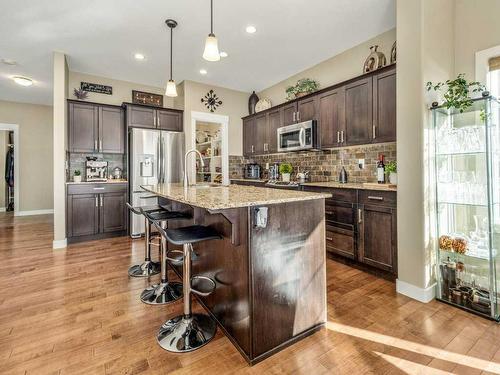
<point x="140" y="97"/>
<point x="96" y="87"/>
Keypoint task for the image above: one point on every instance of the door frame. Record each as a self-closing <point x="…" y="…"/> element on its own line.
<point x="15" y="129"/>
<point x="223" y="120"/>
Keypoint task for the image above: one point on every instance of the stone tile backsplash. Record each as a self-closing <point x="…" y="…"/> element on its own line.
<point x="77" y="161"/>
<point x="324" y="165"/>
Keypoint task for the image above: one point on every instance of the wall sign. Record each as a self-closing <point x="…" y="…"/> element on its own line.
<point x="95" y="87"/>
<point x="211" y="100"/>
<point x="139" y="97"/>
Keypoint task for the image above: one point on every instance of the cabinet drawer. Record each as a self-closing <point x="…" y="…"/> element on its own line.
<point x="340" y="213"/>
<point x="340" y="242"/>
<point x="383" y="198"/>
<point x="340" y="194"/>
<point x="96" y="188"/>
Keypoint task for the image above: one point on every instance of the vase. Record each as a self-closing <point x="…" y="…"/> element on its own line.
<point x="374" y="61"/>
<point x="285" y="177"/>
<point x="252" y="102"/>
<point x="393" y="178"/>
<point x="77" y="179"/>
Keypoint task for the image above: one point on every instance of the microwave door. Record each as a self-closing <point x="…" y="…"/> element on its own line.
<point x="289" y="140"/>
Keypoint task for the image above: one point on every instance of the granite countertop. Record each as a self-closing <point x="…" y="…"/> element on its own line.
<point x="232" y="196"/>
<point x="351" y="185"/>
<point x="249" y="180"/>
<point x="111" y="181"/>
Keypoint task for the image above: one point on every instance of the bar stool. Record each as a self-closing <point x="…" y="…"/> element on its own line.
<point x="188" y="332"/>
<point x="164" y="292"/>
<point x="148" y="268"/>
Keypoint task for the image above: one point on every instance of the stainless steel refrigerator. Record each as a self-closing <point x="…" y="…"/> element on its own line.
<point x="154" y="156"/>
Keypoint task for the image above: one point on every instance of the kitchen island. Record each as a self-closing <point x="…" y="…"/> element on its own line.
<point x="269" y="268"/>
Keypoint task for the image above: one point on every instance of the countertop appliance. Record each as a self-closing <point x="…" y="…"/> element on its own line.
<point x="297" y="137"/>
<point x="252" y="171"/>
<point x="156" y="156"/>
<point x="96" y="170"/>
<point x="117" y="173"/>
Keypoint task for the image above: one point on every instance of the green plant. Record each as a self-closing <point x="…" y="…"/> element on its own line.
<point x="391" y="167"/>
<point x="304" y="85"/>
<point x="78" y="173"/>
<point x="285" y="168"/>
<point x="457" y="91"/>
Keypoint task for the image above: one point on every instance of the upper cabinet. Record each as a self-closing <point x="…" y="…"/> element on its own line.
<point x="358" y="112"/>
<point x="248" y="137"/>
<point x="95" y="128"/>
<point x="332" y="118"/>
<point x="139" y="116"/>
<point x="384" y="106"/>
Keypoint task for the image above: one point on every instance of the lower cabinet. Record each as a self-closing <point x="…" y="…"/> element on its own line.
<point x="95" y="211"/>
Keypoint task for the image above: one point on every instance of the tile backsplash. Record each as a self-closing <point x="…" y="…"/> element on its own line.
<point x="77" y="161"/>
<point x="324" y="165"/>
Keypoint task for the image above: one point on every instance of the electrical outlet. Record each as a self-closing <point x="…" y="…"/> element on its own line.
<point x="361" y="163"/>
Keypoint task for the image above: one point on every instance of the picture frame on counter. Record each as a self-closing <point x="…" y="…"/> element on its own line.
<point x="148" y="98"/>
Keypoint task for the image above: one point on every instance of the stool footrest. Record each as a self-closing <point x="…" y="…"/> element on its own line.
<point x="202" y="285"/>
<point x="178" y="260"/>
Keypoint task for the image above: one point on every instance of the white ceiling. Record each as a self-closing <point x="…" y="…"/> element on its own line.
<point x="101" y="36"/>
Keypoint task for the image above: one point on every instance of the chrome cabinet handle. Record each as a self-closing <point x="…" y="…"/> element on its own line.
<point x="338" y="137"/>
<point x="95" y="145"/>
<point x="374" y="131"/>
<point x="341" y="136"/>
<point x="101" y="199"/>
<point x="329" y="212"/>
<point x="96" y="201"/>
<point x="360" y="215"/>
<point x="298" y="116"/>
<point x="373" y="198"/>
<point x="329" y="238"/>
<point x="98" y="188"/>
<point x="253" y="150"/>
<point x="100" y="145"/>
<point x="154" y="121"/>
<point x="294" y="116"/>
<point x="158" y="120"/>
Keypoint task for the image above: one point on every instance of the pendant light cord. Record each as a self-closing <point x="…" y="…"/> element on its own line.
<point x="211" y="16"/>
<point x="171" y="47"/>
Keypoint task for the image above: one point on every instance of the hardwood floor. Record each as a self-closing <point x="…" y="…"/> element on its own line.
<point x="75" y="311"/>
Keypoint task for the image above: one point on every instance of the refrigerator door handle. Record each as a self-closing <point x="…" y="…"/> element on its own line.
<point x="158" y="160"/>
<point x="161" y="162"/>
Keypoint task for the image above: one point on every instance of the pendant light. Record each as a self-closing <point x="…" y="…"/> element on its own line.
<point x="171" y="88"/>
<point x="211" y="52"/>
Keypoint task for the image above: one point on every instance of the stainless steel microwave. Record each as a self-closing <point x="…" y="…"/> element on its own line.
<point x="297" y="137"/>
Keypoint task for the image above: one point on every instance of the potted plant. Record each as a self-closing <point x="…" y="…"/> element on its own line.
<point x="391" y="169"/>
<point x="77" y="176"/>
<point x="303" y="87"/>
<point x="457" y="92"/>
<point x="285" y="170"/>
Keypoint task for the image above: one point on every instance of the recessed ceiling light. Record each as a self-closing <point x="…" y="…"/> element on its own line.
<point x="9" y="62"/>
<point x="23" y="81"/>
<point x="223" y="54"/>
<point x="139" y="56"/>
<point x="203" y="71"/>
<point x="251" y="29"/>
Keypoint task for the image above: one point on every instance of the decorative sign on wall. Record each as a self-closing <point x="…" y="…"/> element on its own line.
<point x="140" y="97"/>
<point x="211" y="100"/>
<point x="95" y="87"/>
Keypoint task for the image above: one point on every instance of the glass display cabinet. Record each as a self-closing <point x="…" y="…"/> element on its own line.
<point x="467" y="178"/>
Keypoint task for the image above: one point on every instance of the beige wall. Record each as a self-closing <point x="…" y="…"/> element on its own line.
<point x="35" y="152"/>
<point x="122" y="90"/>
<point x="341" y="67"/>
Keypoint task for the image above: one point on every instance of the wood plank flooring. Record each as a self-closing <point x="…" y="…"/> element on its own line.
<point x="75" y="311"/>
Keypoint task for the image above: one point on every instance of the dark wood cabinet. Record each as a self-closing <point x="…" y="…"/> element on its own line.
<point x="261" y="134"/>
<point x="331" y="118"/>
<point x="307" y="109"/>
<point x="111" y="130"/>
<point x="83" y="128"/>
<point x="113" y="216"/>
<point x="384" y="106"/>
<point x="358" y="112"/>
<point x="274" y="121"/>
<point x="248" y="137"/>
<point x="289" y="114"/>
<point x="139" y="116"/>
<point x="83" y="215"/>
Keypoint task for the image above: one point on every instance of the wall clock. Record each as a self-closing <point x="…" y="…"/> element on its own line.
<point x="211" y="100"/>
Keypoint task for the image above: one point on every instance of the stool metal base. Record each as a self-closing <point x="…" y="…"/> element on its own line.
<point x="181" y="334"/>
<point x="161" y="294"/>
<point x="146" y="269"/>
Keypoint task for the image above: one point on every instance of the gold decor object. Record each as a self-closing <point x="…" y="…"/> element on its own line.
<point x="262" y="105"/>
<point x="393" y="53"/>
<point x="460" y="245"/>
<point x="446" y="243"/>
<point x="374" y="61"/>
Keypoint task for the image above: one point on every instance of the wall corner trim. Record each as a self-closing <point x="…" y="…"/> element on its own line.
<point x="34" y="212"/>
<point x="424" y="295"/>
<point x="59" y="244"/>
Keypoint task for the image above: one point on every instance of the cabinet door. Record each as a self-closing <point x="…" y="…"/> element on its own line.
<point x="248" y="137"/>
<point x="83" y="129"/>
<point x="113" y="213"/>
<point x="111" y="130"/>
<point x="307" y="109"/>
<point x="377" y="237"/>
<point x="274" y="121"/>
<point x="384" y="107"/>
<point x="169" y="120"/>
<point x="141" y="117"/>
<point x="260" y="134"/>
<point x="290" y="114"/>
<point x="358" y="112"/>
<point x="82" y="215"/>
<point x="331" y="118"/>
<point x="341" y="242"/>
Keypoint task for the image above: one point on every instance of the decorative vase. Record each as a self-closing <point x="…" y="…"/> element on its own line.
<point x="374" y="61"/>
<point x="77" y="179"/>
<point x="393" y="178"/>
<point x="393" y="53"/>
<point x="301" y="94"/>
<point x="285" y="177"/>
<point x="252" y="102"/>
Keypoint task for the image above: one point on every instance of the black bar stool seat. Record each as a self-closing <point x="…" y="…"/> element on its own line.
<point x="165" y="215"/>
<point x="191" y="234"/>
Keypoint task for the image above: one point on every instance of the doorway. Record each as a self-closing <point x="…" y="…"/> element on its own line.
<point x="9" y="168"/>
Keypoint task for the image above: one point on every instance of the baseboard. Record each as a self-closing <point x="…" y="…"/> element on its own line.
<point x="59" y="244"/>
<point x="420" y="294"/>
<point x="3" y="209"/>
<point x="34" y="212"/>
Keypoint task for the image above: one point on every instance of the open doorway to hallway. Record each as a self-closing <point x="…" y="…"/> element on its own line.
<point x="7" y="175"/>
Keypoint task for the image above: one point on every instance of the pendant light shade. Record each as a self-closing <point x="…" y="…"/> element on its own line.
<point x="211" y="52"/>
<point x="171" y="89"/>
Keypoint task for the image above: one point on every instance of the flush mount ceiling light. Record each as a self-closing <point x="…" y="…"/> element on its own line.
<point x="139" y="56"/>
<point x="223" y="54"/>
<point x="8" y="61"/>
<point x="23" y="81"/>
<point x="211" y="52"/>
<point x="250" y="29"/>
<point x="171" y="88"/>
<point x="203" y="71"/>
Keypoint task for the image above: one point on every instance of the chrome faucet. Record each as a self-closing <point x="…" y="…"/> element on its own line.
<point x="186" y="180"/>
